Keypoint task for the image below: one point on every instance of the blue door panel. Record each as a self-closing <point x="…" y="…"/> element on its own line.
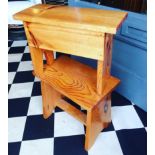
<point x="134" y="31"/>
<point x="130" y="57"/>
<point x="132" y="87"/>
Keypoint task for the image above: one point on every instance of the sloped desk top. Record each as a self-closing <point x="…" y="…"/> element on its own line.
<point x="73" y="17"/>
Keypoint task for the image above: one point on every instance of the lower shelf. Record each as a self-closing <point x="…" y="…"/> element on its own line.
<point x="77" y="81"/>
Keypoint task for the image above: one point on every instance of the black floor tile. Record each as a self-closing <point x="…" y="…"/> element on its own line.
<point x="26" y="57"/>
<point x="37" y="127"/>
<point x="19" y="49"/>
<point x="14" y="148"/>
<point x="18" y="107"/>
<point x="9" y="86"/>
<point x="133" y="141"/>
<point x="13" y="66"/>
<point x="10" y="43"/>
<point x="25" y="76"/>
<point x="70" y="145"/>
<point x="36" y="89"/>
<point x="119" y="100"/>
<point x="142" y="115"/>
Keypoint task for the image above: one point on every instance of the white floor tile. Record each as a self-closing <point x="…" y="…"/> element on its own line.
<point x="27" y="49"/>
<point x="19" y="43"/>
<point x="16" y="127"/>
<point x="44" y="58"/>
<point x="14" y="57"/>
<point x="106" y="144"/>
<point x="66" y="125"/>
<point x="125" y="117"/>
<point x="21" y="90"/>
<point x="35" y="106"/>
<point x="25" y="66"/>
<point x="36" y="79"/>
<point x="11" y="76"/>
<point x="54" y="55"/>
<point x="37" y="147"/>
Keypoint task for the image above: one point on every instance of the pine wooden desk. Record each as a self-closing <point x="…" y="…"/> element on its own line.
<point x="82" y="32"/>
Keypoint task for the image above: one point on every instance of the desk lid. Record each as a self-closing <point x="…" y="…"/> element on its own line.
<point x="105" y="21"/>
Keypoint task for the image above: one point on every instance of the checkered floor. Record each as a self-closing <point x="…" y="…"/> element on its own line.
<point x="61" y="134"/>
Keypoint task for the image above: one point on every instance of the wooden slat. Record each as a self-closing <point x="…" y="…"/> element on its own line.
<point x="62" y="104"/>
<point x="106" y="21"/>
<point x="77" y="81"/>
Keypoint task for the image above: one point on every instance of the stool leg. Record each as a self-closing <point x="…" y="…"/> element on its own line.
<point x="97" y="119"/>
<point x="49" y="98"/>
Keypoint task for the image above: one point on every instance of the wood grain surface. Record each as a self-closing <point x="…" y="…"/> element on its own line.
<point x="97" y="119"/>
<point x="77" y="81"/>
<point x="80" y="43"/>
<point x="104" y="65"/>
<point x="106" y="21"/>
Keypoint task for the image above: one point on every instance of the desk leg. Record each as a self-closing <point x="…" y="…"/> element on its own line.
<point x="104" y="67"/>
<point x="49" y="98"/>
<point x="100" y="116"/>
<point x="97" y="119"/>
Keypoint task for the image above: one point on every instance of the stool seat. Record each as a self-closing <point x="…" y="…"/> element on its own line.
<point x="77" y="81"/>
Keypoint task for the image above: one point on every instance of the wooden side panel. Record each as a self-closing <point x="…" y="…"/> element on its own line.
<point x="85" y="44"/>
<point x="97" y="120"/>
<point x="49" y="97"/>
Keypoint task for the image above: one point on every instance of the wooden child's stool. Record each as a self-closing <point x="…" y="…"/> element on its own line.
<point x="82" y="32"/>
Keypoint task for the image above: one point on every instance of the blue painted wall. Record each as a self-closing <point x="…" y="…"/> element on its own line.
<point x="129" y="55"/>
